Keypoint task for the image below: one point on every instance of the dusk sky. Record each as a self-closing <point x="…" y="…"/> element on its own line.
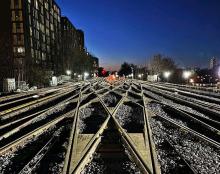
<point x="133" y="31"/>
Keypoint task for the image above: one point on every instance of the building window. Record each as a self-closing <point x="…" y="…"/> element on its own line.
<point x="31" y="32"/>
<point x="44" y="38"/>
<point x="32" y="52"/>
<point x="29" y="8"/>
<point x="47" y="32"/>
<point x="37" y="35"/>
<point x="30" y="20"/>
<point x="43" y="56"/>
<point x="31" y="41"/>
<point x="51" y="27"/>
<point x="14" y="39"/>
<point x="17" y="15"/>
<point x="16" y="4"/>
<point x="17" y="28"/>
<point x="19" y="51"/>
<point x="18" y="39"/>
<point x="46" y="5"/>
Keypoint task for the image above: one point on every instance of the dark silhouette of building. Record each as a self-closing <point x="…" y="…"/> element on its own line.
<point x="34" y="37"/>
<point x="30" y="35"/>
<point x="80" y="39"/>
<point x="212" y="63"/>
<point x="95" y="63"/>
<point x="72" y="41"/>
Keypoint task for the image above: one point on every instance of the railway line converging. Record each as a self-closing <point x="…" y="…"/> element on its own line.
<point x="96" y="127"/>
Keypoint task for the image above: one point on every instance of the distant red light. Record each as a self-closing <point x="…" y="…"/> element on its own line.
<point x="103" y="72"/>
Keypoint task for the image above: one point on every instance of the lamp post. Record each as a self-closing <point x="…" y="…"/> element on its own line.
<point x="218" y="72"/>
<point x="167" y="74"/>
<point x="68" y="72"/>
<point x="140" y="76"/>
<point x="186" y="75"/>
<point x="132" y="72"/>
<point x="86" y="75"/>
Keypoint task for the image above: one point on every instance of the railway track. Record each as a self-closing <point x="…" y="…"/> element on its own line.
<point x="208" y="111"/>
<point x="199" y="90"/>
<point x="102" y="127"/>
<point x="189" y="144"/>
<point x="18" y="96"/>
<point x="213" y="99"/>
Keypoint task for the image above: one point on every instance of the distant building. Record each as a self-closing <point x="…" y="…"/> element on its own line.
<point x="80" y="39"/>
<point x="212" y="63"/>
<point x="72" y="42"/>
<point x="30" y="34"/>
<point x="69" y="42"/>
<point x="95" y="63"/>
<point x="34" y="37"/>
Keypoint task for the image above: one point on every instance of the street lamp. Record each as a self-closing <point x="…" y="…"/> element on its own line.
<point x="86" y="75"/>
<point x="139" y="75"/>
<point x="219" y="72"/>
<point x="167" y="74"/>
<point x="186" y="75"/>
<point x="68" y="72"/>
<point x="191" y="80"/>
<point x="132" y="72"/>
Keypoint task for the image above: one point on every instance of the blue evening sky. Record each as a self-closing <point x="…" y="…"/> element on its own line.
<point x="135" y="30"/>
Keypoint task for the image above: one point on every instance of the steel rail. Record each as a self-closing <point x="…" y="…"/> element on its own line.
<point x="68" y="157"/>
<point x="181" y="127"/>
<point x="171" y="144"/>
<point x="199" y="90"/>
<point x="27" y="93"/>
<point x="34" y="115"/>
<point x="184" y="115"/>
<point x="31" y="165"/>
<point x="94" y="141"/>
<point x="189" y="103"/>
<point x="34" y="103"/>
<point x="33" y="120"/>
<point x="149" y="136"/>
<point x="40" y="130"/>
<point x="92" y="144"/>
<point x="215" y="124"/>
<point x="34" y="106"/>
<point x="127" y="140"/>
<point x="208" y="104"/>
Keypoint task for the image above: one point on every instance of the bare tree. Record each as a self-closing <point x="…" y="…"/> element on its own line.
<point x="159" y="64"/>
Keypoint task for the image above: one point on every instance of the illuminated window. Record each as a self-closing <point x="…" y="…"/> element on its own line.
<point x="51" y="27"/>
<point x="43" y="38"/>
<point x="46" y="5"/>
<point x="17" y="15"/>
<point x="43" y="56"/>
<point x="21" y="49"/>
<point x="36" y="4"/>
<point x="31" y="32"/>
